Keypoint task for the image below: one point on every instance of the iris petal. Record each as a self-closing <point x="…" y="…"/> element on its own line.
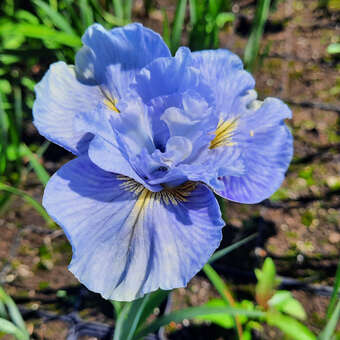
<point x="267" y="149"/>
<point x="126" y="240"/>
<point x="59" y="98"/>
<point x="111" y="58"/>
<point x="223" y="72"/>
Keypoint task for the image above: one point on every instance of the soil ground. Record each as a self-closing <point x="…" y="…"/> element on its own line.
<point x="299" y="227"/>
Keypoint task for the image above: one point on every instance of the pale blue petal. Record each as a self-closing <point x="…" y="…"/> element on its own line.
<point x="223" y="71"/>
<point x="125" y="243"/>
<point x="59" y="97"/>
<point x="111" y="58"/>
<point x="267" y="149"/>
<point x="167" y="76"/>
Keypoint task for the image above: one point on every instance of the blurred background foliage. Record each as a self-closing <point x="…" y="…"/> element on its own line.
<point x="36" y="33"/>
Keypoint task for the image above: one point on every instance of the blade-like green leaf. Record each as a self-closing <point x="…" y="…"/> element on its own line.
<point x="227" y="250"/>
<point x="29" y="200"/>
<point x="333" y="48"/>
<point x="119" y="328"/>
<point x="37" y="167"/>
<point x="13" y="310"/>
<point x="253" y="45"/>
<point x="127" y="9"/>
<point x="86" y="14"/>
<point x="283" y="301"/>
<point x="118" y="306"/>
<point x="291" y="327"/>
<point x="225" y="293"/>
<point x="178" y="25"/>
<point x="335" y="292"/>
<point x="3" y="312"/>
<point x="155" y="300"/>
<point x="129" y="319"/>
<point x="9" y="328"/>
<point x="331" y="324"/>
<point x="57" y="18"/>
<point x="193" y="12"/>
<point x="118" y="8"/>
<point x="40" y="32"/>
<point x="166" y="29"/>
<point x="225" y="321"/>
<point x="193" y="312"/>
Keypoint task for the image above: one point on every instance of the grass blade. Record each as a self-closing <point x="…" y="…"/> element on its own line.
<point x="253" y="45"/>
<point x="193" y="312"/>
<point x="118" y="8"/>
<point x="166" y="28"/>
<point x="8" y="327"/>
<point x="119" y="329"/>
<point x="13" y="310"/>
<point x="40" y="32"/>
<point x="227" y="250"/>
<point x="34" y="162"/>
<point x="225" y="293"/>
<point x="127" y="9"/>
<point x="57" y="18"/>
<point x="336" y="291"/>
<point x="178" y="25"/>
<point x="38" y="207"/>
<point x="331" y="325"/>
<point x="86" y="14"/>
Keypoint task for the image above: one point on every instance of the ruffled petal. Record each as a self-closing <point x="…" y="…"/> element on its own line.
<point x="267" y="149"/>
<point x="223" y="71"/>
<point x="126" y="240"/>
<point x="111" y="58"/>
<point x="59" y="97"/>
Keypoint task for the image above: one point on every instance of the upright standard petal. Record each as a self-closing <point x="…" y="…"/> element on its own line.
<point x="128" y="241"/>
<point x="223" y="71"/>
<point x="111" y="58"/>
<point x="267" y="149"/>
<point x="59" y="98"/>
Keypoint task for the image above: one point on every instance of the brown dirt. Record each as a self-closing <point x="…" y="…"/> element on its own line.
<point x="299" y="228"/>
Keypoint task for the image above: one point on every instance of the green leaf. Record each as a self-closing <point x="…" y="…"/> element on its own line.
<point x="29" y="200"/>
<point x="178" y="25"/>
<point x="154" y="301"/>
<point x="293" y="328"/>
<point x="118" y="9"/>
<point x="335" y="292"/>
<point x="40" y="32"/>
<point x="333" y="48"/>
<point x="283" y="301"/>
<point x="127" y="9"/>
<point x="193" y="312"/>
<point x="13" y="310"/>
<point x="86" y="13"/>
<point x="57" y="18"/>
<point x="129" y="319"/>
<point x="267" y="282"/>
<point x="227" y="250"/>
<point x="3" y="312"/>
<point x="37" y="167"/>
<point x="166" y="28"/>
<point x="253" y="45"/>
<point x="331" y="324"/>
<point x="9" y="328"/>
<point x="224" y="18"/>
<point x="218" y="283"/>
<point x="118" y="306"/>
<point x="225" y="321"/>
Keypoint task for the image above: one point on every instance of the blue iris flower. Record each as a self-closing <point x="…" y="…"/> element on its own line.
<point x="155" y="137"/>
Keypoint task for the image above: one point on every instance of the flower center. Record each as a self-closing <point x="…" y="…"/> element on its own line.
<point x="224" y="133"/>
<point x="167" y="196"/>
